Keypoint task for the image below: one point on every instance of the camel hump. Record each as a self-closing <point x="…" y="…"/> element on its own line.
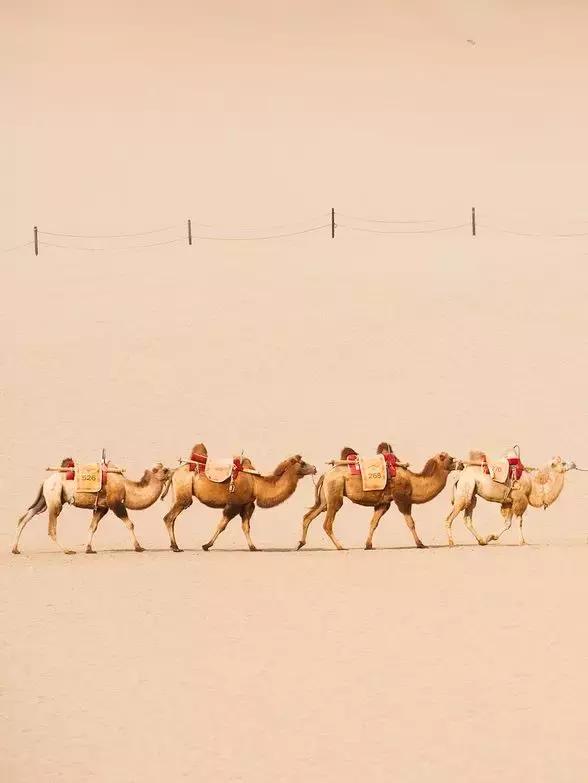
<point x="478" y="456"/>
<point x="384" y="448"/>
<point x="247" y="464"/>
<point x="348" y="452"/>
<point x="200" y="449"/>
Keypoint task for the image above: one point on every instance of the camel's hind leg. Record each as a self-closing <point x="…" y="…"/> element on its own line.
<point x="469" y="522"/>
<point x="37" y="508"/>
<point x="180" y="505"/>
<point x="54" y="512"/>
<point x="334" y="503"/>
<point x="246" y="514"/>
<point x="522" y="535"/>
<point x="378" y="514"/>
<point x="228" y="513"/>
<point x="98" y="514"/>
<point x="313" y="513"/>
<point x="121" y="512"/>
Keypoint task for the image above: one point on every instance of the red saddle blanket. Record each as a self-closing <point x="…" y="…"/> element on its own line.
<point x="198" y="464"/>
<point x="391" y="462"/>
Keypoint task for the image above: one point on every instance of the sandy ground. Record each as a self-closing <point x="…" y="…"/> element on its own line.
<point x="464" y="664"/>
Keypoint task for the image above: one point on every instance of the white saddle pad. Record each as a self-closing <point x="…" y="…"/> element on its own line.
<point x="88" y="478"/>
<point x="499" y="470"/>
<point x="218" y="470"/>
<point x="373" y="472"/>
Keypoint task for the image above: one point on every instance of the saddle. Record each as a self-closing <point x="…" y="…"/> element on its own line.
<point x="374" y="471"/>
<point x="216" y="470"/>
<point x="500" y="470"/>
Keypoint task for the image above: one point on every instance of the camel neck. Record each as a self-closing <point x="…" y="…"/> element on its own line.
<point x="425" y="488"/>
<point x="273" y="490"/>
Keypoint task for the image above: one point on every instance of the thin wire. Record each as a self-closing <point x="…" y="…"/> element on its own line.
<point x="526" y="234"/>
<point x="269" y="228"/>
<point x="17" y="247"/>
<point x="419" y="231"/>
<point x="107" y="236"/>
<point x="269" y="236"/>
<point x="374" y="220"/>
<point x="110" y="249"/>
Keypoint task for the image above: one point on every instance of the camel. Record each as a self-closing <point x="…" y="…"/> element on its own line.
<point x="119" y="495"/>
<point x="248" y="490"/>
<point x="405" y="489"/>
<point x="536" y="488"/>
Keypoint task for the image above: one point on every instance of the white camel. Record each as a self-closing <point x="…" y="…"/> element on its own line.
<point x="538" y="488"/>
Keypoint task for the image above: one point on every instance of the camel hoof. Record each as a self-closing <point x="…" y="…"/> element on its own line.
<point x="206" y="547"/>
<point x="300" y="545"/>
<point x="253" y="549"/>
<point x="451" y="543"/>
<point x="69" y="551"/>
<point x="15" y="551"/>
<point x="90" y="551"/>
<point x="369" y="546"/>
<point x="176" y="549"/>
<point x="139" y="548"/>
<point x="483" y="541"/>
<point x="420" y="545"/>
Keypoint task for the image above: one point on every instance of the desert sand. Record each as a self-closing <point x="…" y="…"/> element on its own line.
<point x="397" y="664"/>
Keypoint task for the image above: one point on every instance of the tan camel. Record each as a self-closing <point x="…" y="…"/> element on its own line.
<point x="405" y="489"/>
<point x="537" y="488"/>
<point x="248" y="490"/>
<point x="119" y="495"/>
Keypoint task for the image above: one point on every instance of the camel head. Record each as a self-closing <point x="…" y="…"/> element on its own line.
<point x="560" y="465"/>
<point x="303" y="468"/>
<point x="446" y="462"/>
<point x="159" y="472"/>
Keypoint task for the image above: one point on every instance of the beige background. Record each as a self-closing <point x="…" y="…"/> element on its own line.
<point x="238" y="667"/>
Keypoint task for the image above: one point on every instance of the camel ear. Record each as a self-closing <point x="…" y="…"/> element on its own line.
<point x="297" y="458"/>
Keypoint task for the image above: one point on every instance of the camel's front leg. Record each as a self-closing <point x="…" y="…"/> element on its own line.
<point x="98" y="514"/>
<point x="54" y="511"/>
<point x="522" y="536"/>
<point x="246" y="514"/>
<point x="378" y="514"/>
<point x="307" y="519"/>
<point x="228" y="513"/>
<point x="405" y="509"/>
<point x="507" y="513"/>
<point x="469" y="523"/>
<point x="180" y="505"/>
<point x="121" y="512"/>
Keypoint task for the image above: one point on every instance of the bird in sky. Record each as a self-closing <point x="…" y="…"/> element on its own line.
<point x="471" y="41"/>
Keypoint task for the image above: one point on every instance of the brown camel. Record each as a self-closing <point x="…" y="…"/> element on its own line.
<point x="405" y="489"/>
<point x="249" y="489"/>
<point x="119" y="495"/>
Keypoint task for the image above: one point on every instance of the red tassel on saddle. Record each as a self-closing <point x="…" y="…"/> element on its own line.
<point x="516" y="467"/>
<point x="353" y="460"/>
<point x="391" y="462"/>
<point x="69" y="463"/>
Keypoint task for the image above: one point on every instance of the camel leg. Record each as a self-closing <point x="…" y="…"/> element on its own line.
<point x="35" y="509"/>
<point x="246" y="514"/>
<point x="54" y="512"/>
<point x="122" y="514"/>
<point x="456" y="510"/>
<point x="405" y="509"/>
<point x="98" y="514"/>
<point x="507" y="513"/>
<point x="228" y="513"/>
<point x="307" y="519"/>
<point x="170" y="520"/>
<point x="469" y="523"/>
<point x="378" y="514"/>
<point x="522" y="536"/>
<point x="333" y="505"/>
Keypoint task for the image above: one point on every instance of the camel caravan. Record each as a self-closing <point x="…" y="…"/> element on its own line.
<point x="235" y="487"/>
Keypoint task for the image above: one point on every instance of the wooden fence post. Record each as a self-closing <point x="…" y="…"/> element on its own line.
<point x="36" y="239"/>
<point x="333" y="223"/>
<point x="189" y="231"/>
<point x="473" y="221"/>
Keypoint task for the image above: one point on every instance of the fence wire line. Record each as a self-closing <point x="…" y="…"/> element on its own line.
<point x="417" y="231"/>
<point x="17" y="247"/>
<point x="500" y="230"/>
<point x="110" y="249"/>
<point x="268" y="236"/>
<point x="389" y="222"/>
<point x="268" y="228"/>
<point x="108" y="236"/>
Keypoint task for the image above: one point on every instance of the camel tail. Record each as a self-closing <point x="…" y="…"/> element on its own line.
<point x="317" y="493"/>
<point x="38" y="505"/>
<point x="166" y="488"/>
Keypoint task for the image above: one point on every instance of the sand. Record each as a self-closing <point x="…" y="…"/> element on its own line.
<point x="467" y="664"/>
